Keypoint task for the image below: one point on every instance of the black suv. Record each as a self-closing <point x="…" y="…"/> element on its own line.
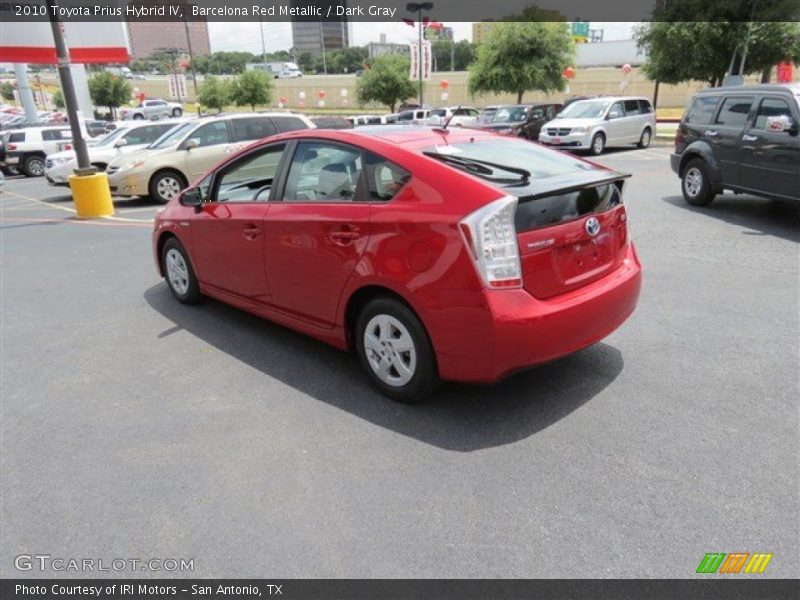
<point x="523" y="120"/>
<point x="742" y="138"/>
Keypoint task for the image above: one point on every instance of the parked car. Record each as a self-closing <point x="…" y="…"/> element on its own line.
<point x="96" y="128"/>
<point x="745" y="139"/>
<point x="486" y="114"/>
<point x="601" y="122"/>
<point x="415" y="116"/>
<point x="123" y="140"/>
<point x="523" y="120"/>
<point x="454" y="116"/>
<point x="152" y="110"/>
<point x="184" y="153"/>
<point x="462" y="257"/>
<point x="26" y="149"/>
<point x="331" y="122"/>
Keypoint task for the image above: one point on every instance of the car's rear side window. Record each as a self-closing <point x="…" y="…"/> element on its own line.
<point x="284" y="124"/>
<point x="49" y="135"/>
<point x="734" y="111"/>
<point x="644" y="107"/>
<point x="771" y="107"/>
<point x="16" y="137"/>
<point x="323" y="172"/>
<point x="384" y="178"/>
<point x="702" y="110"/>
<point x="245" y="130"/>
<point x="632" y="108"/>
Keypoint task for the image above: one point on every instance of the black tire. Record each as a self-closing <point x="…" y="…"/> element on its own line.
<point x="191" y="293"/>
<point x="33" y="166"/>
<point x="165" y="185"/>
<point x="598" y="144"/>
<point x="425" y="378"/>
<point x="138" y="117"/>
<point x="646" y="138"/>
<point x="177" y="112"/>
<point x="101" y="167"/>
<point x="696" y="183"/>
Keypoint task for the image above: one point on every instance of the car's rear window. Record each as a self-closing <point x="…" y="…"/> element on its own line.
<point x="702" y="110"/>
<point x="566" y="206"/>
<point x="519" y="154"/>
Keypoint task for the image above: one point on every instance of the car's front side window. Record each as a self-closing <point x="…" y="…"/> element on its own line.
<point x="322" y="172"/>
<point x="251" y="177"/>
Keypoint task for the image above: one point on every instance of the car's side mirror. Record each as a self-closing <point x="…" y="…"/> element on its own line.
<point x="192" y="197"/>
<point x="120" y="143"/>
<point x="191" y="143"/>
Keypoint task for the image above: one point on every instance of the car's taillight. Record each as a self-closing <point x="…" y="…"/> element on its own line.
<point x="12" y="146"/>
<point x="491" y="237"/>
<point x="679" y="138"/>
<point x="67" y="146"/>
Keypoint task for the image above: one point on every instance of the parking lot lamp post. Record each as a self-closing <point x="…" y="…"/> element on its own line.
<point x="90" y="190"/>
<point x="419" y="7"/>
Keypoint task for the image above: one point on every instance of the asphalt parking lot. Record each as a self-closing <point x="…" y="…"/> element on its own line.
<point x="133" y="426"/>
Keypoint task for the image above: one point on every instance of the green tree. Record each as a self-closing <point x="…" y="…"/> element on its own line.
<point x="58" y="99"/>
<point x="251" y="88"/>
<point x="462" y="54"/>
<point x="7" y="91"/>
<point x="213" y="93"/>
<point x="705" y="51"/>
<point x="522" y="56"/>
<point x="348" y="60"/>
<point x="109" y="90"/>
<point x="386" y="81"/>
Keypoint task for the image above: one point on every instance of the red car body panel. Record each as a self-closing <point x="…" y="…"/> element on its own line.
<point x="302" y="263"/>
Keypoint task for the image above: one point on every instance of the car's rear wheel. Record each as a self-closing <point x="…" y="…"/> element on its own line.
<point x="644" y="141"/>
<point x="395" y="351"/>
<point x="138" y="117"/>
<point x="33" y="166"/>
<point x="177" y="112"/>
<point x="695" y="183"/>
<point x="178" y="272"/>
<point x="165" y="185"/>
<point x="598" y="144"/>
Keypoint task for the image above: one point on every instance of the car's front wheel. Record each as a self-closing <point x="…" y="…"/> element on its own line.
<point x="178" y="272"/>
<point x="695" y="183"/>
<point x="177" y="112"/>
<point x="138" y="117"/>
<point x="395" y="351"/>
<point x="165" y="185"/>
<point x="598" y="144"/>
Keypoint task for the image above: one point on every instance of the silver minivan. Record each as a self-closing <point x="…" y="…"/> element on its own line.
<point x="596" y="123"/>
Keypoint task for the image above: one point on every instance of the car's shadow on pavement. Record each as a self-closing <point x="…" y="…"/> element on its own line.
<point x="458" y="417"/>
<point x="759" y="216"/>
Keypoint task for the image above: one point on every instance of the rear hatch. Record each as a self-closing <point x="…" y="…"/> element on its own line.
<point x="571" y="235"/>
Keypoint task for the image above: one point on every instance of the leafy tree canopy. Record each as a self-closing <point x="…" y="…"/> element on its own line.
<point x="386" y="81"/>
<point x="251" y="88"/>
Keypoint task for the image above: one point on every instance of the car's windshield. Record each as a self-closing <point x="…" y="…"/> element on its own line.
<point x="109" y="139"/>
<point x="585" y="109"/>
<point x="518" y="154"/>
<point x="173" y="136"/>
<point x="510" y="114"/>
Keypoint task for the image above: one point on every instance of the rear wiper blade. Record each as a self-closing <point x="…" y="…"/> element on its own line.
<point x="479" y="167"/>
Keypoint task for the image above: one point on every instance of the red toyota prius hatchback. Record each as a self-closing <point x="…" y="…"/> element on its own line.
<point x="435" y="254"/>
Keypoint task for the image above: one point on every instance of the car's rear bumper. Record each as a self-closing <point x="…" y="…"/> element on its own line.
<point x="516" y="330"/>
<point x="675" y="162"/>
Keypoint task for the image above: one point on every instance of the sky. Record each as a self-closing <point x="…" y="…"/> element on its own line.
<point x="278" y="36"/>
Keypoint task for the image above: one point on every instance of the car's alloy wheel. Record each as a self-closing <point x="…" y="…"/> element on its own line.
<point x="179" y="273"/>
<point x="177" y="112"/>
<point x="395" y="350"/>
<point x="34" y="166"/>
<point x="598" y="144"/>
<point x="695" y="183"/>
<point x="390" y="350"/>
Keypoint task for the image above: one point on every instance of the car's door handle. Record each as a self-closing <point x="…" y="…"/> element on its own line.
<point x="345" y="236"/>
<point x="251" y="231"/>
<point x="712" y="132"/>
<point x="749" y="138"/>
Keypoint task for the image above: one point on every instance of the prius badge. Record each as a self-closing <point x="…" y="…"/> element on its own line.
<point x="592" y="226"/>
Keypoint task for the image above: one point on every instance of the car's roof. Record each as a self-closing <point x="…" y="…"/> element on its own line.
<point x="762" y="87"/>
<point x="409" y="136"/>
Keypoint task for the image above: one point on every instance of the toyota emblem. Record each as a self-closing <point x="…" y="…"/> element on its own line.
<point x="592" y="226"/>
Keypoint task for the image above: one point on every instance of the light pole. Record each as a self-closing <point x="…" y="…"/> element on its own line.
<point x="419" y="7"/>
<point x="191" y="64"/>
